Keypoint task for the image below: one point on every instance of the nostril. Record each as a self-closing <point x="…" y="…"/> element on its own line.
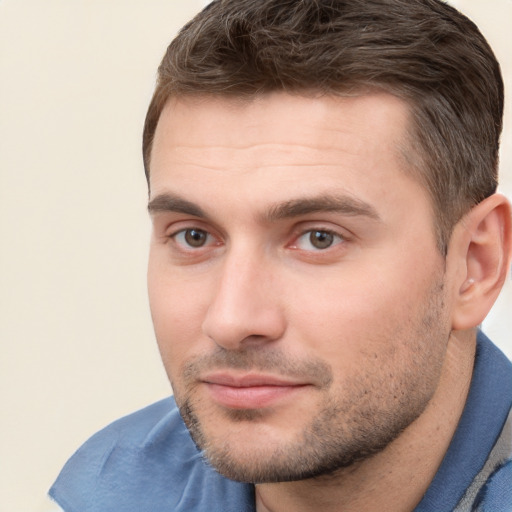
<point x="244" y="328"/>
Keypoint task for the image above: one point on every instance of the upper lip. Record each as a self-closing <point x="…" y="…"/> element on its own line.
<point x="248" y="380"/>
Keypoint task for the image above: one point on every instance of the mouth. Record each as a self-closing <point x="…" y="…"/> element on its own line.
<point x="250" y="391"/>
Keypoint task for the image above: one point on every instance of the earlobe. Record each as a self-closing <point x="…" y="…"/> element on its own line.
<point x="481" y="246"/>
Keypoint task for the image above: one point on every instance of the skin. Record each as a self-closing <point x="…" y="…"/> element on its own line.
<point x="303" y="312"/>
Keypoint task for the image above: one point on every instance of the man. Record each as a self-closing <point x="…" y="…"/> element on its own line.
<point x="326" y="241"/>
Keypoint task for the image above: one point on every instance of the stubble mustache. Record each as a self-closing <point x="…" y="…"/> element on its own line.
<point x="259" y="361"/>
<point x="254" y="360"/>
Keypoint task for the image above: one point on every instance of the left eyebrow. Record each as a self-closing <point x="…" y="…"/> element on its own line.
<point x="342" y="204"/>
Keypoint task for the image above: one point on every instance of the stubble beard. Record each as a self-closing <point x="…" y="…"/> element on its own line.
<point x="351" y="425"/>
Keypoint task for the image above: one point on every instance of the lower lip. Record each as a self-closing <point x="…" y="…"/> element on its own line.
<point x="253" y="397"/>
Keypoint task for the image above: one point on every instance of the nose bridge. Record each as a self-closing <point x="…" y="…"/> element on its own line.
<point x="243" y="305"/>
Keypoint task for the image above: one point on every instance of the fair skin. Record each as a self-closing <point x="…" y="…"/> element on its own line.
<point x="317" y="342"/>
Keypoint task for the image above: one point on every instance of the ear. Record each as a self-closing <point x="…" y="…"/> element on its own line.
<point x="480" y="250"/>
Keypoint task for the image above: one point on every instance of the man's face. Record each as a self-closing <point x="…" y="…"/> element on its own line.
<point x="294" y="281"/>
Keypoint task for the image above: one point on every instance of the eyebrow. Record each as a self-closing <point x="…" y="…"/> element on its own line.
<point x="342" y="204"/>
<point x="173" y="203"/>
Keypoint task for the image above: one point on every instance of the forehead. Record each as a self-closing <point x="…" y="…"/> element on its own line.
<point x="275" y="146"/>
<point x="357" y="125"/>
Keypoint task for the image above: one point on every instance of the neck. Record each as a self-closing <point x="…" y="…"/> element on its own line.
<point x="395" y="479"/>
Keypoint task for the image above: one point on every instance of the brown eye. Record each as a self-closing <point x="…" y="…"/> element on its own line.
<point x="195" y="237"/>
<point x="321" y="239"/>
<point x="318" y="240"/>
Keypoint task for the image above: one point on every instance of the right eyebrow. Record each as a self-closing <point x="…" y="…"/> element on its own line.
<point x="172" y="203"/>
<point x="343" y="204"/>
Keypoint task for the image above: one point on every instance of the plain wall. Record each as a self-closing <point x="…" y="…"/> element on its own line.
<point x="78" y="349"/>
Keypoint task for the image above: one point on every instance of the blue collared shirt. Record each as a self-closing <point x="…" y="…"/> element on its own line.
<point x="147" y="462"/>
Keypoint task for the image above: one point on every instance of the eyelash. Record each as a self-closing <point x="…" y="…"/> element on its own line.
<point x="332" y="239"/>
<point x="331" y="236"/>
<point x="183" y="232"/>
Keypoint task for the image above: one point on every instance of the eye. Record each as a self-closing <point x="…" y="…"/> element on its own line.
<point x="317" y="239"/>
<point x="192" y="237"/>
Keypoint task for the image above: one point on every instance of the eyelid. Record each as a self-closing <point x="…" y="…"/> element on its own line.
<point x="335" y="229"/>
<point x="176" y="226"/>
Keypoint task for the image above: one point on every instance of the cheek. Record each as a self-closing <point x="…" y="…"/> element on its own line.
<point x="177" y="310"/>
<point x="345" y="332"/>
<point x="351" y="318"/>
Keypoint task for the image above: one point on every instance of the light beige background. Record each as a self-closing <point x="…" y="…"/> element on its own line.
<point x="77" y="343"/>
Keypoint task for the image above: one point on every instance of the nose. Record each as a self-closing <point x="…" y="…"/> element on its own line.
<point x="244" y="309"/>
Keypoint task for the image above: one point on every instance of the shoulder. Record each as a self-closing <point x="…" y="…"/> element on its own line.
<point x="137" y="432"/>
<point x="496" y="494"/>
<point x="144" y="461"/>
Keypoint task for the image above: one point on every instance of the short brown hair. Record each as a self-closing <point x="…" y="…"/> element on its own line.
<point x="422" y="51"/>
